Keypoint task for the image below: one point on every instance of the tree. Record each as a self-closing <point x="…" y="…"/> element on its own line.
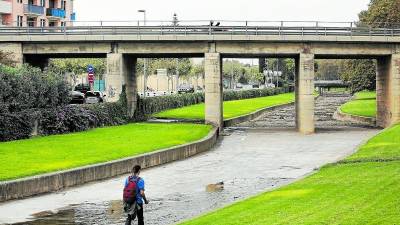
<point x="74" y="67"/>
<point x="328" y="69"/>
<point x="184" y="66"/>
<point x="381" y="14"/>
<point x="359" y="74"/>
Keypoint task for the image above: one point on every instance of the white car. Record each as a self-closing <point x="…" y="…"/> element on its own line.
<point x="93" y="97"/>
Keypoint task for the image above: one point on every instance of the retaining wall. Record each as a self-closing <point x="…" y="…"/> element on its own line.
<point x="341" y="116"/>
<point x="251" y="116"/>
<point x="51" y="182"/>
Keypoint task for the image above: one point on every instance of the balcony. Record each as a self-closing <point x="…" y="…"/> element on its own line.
<point x="5" y="7"/>
<point x="33" y="9"/>
<point x="56" y="13"/>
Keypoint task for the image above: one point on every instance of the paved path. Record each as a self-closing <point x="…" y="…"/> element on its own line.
<point x="249" y="161"/>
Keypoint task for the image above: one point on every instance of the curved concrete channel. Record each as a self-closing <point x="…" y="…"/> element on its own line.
<point x="249" y="159"/>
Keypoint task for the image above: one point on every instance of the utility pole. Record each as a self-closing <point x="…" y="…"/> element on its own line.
<point x="177" y="74"/>
<point x="277" y="72"/>
<point x="232" y="77"/>
<point x="145" y="59"/>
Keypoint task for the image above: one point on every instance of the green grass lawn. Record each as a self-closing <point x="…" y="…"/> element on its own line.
<point x="231" y="108"/>
<point x="366" y="191"/>
<point x="363" y="105"/>
<point x="59" y="152"/>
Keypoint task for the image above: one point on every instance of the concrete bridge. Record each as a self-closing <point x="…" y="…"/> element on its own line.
<point x="122" y="45"/>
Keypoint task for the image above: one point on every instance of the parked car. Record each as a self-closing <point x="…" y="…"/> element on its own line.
<point x="185" y="88"/>
<point x="77" y="97"/>
<point x="92" y="97"/>
<point x="83" y="88"/>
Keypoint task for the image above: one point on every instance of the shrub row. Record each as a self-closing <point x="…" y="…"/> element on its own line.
<point x="148" y="106"/>
<point x="74" y="118"/>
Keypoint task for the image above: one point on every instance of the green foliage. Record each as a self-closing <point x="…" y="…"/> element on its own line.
<point x="328" y="69"/>
<point x="360" y="74"/>
<point x="253" y="93"/>
<point x="382" y="14"/>
<point x="148" y="106"/>
<point x="184" y="66"/>
<point x="14" y="126"/>
<point x="362" y="189"/>
<point x="60" y="152"/>
<point x="30" y="95"/>
<point x="26" y="88"/>
<point x="78" y="65"/>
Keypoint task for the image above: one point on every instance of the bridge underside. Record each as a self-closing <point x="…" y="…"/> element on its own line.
<point x="122" y="55"/>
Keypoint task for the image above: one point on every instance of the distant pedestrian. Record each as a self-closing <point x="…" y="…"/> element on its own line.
<point x="134" y="196"/>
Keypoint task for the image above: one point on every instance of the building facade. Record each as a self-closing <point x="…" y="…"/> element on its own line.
<point x="36" y="13"/>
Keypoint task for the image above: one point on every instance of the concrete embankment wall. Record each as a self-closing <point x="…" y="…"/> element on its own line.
<point x="51" y="182"/>
<point x="251" y="116"/>
<point x="363" y="120"/>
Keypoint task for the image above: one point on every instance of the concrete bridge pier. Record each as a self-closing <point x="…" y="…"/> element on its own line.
<point x="16" y="51"/>
<point x="213" y="89"/>
<point x="121" y="69"/>
<point x="304" y="82"/>
<point x="388" y="90"/>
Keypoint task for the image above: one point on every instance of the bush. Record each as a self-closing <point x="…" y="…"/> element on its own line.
<point x="148" y="106"/>
<point x="16" y="126"/>
<point x="28" y="88"/>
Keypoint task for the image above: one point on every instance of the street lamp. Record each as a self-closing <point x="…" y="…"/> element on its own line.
<point x="145" y="60"/>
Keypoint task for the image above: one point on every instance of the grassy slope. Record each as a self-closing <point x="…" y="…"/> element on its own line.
<point x="363" y="105"/>
<point x="345" y="193"/>
<point x="59" y="152"/>
<point x="231" y="108"/>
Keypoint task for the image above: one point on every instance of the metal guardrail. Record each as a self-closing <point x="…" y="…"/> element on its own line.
<point x="249" y="28"/>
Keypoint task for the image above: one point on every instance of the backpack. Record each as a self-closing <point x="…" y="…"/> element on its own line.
<point x="129" y="195"/>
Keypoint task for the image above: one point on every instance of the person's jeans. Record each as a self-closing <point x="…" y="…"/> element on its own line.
<point x="139" y="213"/>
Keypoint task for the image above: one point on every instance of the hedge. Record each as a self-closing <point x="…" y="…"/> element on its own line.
<point x="74" y="118"/>
<point x="148" y="106"/>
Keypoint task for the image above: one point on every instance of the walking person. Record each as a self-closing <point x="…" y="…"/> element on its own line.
<point x="134" y="197"/>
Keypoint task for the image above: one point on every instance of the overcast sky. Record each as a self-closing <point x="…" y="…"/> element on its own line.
<point x="322" y="10"/>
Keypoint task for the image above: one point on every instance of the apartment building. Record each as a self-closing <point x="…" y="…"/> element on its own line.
<point x="36" y="13"/>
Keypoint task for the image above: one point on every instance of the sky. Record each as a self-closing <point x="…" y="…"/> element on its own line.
<point x="238" y="10"/>
<point x="265" y="10"/>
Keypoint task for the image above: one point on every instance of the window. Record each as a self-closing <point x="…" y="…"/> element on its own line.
<point x="63" y="24"/>
<point x="52" y="4"/>
<point x="42" y="22"/>
<point x="63" y="3"/>
<point x="31" y="22"/>
<point x="19" y="21"/>
<point x="19" y="1"/>
<point x="43" y="3"/>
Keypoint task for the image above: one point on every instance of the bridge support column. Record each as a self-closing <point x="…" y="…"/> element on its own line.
<point x="15" y="50"/>
<point x="213" y="89"/>
<point x="121" y="70"/>
<point x="388" y="91"/>
<point x="304" y="93"/>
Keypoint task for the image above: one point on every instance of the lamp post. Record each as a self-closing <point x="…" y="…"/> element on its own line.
<point x="145" y="59"/>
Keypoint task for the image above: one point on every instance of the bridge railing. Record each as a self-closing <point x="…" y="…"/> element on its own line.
<point x="250" y="28"/>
